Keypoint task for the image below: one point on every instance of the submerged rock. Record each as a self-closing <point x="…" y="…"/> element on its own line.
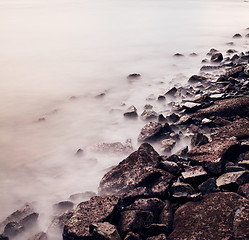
<point x="131" y="112"/>
<point x="216" y="57"/>
<point x="237" y="35"/>
<point x="39" y="236"/>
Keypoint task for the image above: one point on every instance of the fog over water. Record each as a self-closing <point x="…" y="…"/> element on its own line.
<point x="56" y="56"/>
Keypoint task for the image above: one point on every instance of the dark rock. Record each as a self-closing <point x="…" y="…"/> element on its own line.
<point x="233" y="168"/>
<point x="196" y="79"/>
<point x="158" y="237"/>
<point x="166" y="217"/>
<point x="148" y="106"/>
<point x="169" y="92"/>
<point x="244" y="163"/>
<point x="79" y="152"/>
<point x="167" y="145"/>
<point x="208" y="186"/>
<point x="235" y="71"/>
<point x="244" y="190"/>
<point x="104" y="231"/>
<point x="13" y="228"/>
<point x="132" y="236"/>
<point x="178" y="55"/>
<point x="217" y="216"/>
<point x="210" y="68"/>
<point x="247" y="35"/>
<point x="179" y="187"/>
<point x="98" y="209"/>
<point x="138" y="170"/>
<point x="150" y="132"/>
<point x="148" y="114"/>
<point x="3" y="237"/>
<point x="212" y="51"/>
<point x="173" y="117"/>
<point x="237" y="35"/>
<point x="194" y="175"/>
<point x="169" y="166"/>
<point x="153" y="205"/>
<point x="246" y="70"/>
<point x="212" y="156"/>
<point x="230" y="51"/>
<point x="196" y="197"/>
<point x="134" y="76"/>
<point x="230" y="43"/>
<point x="193" y="54"/>
<point x="39" y="236"/>
<point x="216" y="57"/>
<point x="161" y="118"/>
<point x="63" y="206"/>
<point x="232" y="180"/>
<point x="131" y="112"/>
<point x="134" y="220"/>
<point x="155" y="229"/>
<point x="82" y="196"/>
<point x="199" y="139"/>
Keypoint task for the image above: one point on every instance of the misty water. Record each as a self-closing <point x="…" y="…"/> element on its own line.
<point x="56" y="56"/>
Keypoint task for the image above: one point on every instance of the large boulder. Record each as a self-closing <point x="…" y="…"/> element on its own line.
<point x="213" y="156"/>
<point x="97" y="209"/>
<point x="217" y="216"/>
<point x="137" y="170"/>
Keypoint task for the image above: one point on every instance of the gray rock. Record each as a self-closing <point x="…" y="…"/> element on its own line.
<point x="63" y="206"/>
<point x="148" y="114"/>
<point x="134" y="76"/>
<point x="209" y="186"/>
<point x="169" y="92"/>
<point x="13" y="228"/>
<point x="131" y="112"/>
<point x="212" y="51"/>
<point x="104" y="231"/>
<point x="82" y="196"/>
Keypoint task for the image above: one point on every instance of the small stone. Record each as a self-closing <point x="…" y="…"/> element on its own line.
<point x="132" y="236"/>
<point x="173" y="117"/>
<point x="216" y="57"/>
<point x="212" y="51"/>
<point x="193" y="54"/>
<point x="196" y="79"/>
<point x="131" y="112"/>
<point x="181" y="188"/>
<point x="247" y="35"/>
<point x="230" y="43"/>
<point x="134" y="76"/>
<point x="178" y="55"/>
<point x="244" y="163"/>
<point x="208" y="186"/>
<point x="237" y="35"/>
<point x="169" y="92"/>
<point x="206" y="121"/>
<point x="195" y="197"/>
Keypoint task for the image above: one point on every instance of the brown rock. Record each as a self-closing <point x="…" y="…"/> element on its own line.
<point x="150" y="132"/>
<point x="131" y="112"/>
<point x="199" y="139"/>
<point x="244" y="190"/>
<point x="158" y="237"/>
<point x="217" y="216"/>
<point x="166" y="217"/>
<point x="194" y="175"/>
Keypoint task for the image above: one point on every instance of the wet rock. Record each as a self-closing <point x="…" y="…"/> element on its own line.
<point x="158" y="237"/>
<point x="235" y="71"/>
<point x="104" y="231"/>
<point x="194" y="175"/>
<point x="230" y="43"/>
<point x="169" y="92"/>
<point x="244" y="190"/>
<point x="166" y="217"/>
<point x="191" y="106"/>
<point x="150" y="132"/>
<point x="169" y="166"/>
<point x="63" y="206"/>
<point x="232" y="180"/>
<point x="134" y="171"/>
<point x="216" y="57"/>
<point x="178" y="55"/>
<point x="196" y="197"/>
<point x="182" y="152"/>
<point x="133" y="76"/>
<point x="82" y="196"/>
<point x="217" y="216"/>
<point x="186" y="119"/>
<point x="210" y="68"/>
<point x="212" y="156"/>
<point x="134" y="220"/>
<point x="197" y="79"/>
<point x="230" y="51"/>
<point x="39" y="236"/>
<point x="132" y="236"/>
<point x="149" y="114"/>
<point x="98" y="209"/>
<point x="13" y="228"/>
<point x="199" y="139"/>
<point x="247" y="35"/>
<point x="246" y="70"/>
<point x="237" y="35"/>
<point x="131" y="112"/>
<point x="153" y="205"/>
<point x="208" y="186"/>
<point x="167" y="145"/>
<point x="173" y="117"/>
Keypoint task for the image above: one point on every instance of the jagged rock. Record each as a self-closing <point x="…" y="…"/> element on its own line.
<point x="167" y="145"/>
<point x="216" y="57"/>
<point x="209" y="186"/>
<point x="161" y="118"/>
<point x="232" y="180"/>
<point x="196" y="197"/>
<point x="186" y="119"/>
<point x="182" y="152"/>
<point x="13" y="228"/>
<point x="148" y="114"/>
<point x="210" y="68"/>
<point x="153" y="205"/>
<point x="237" y="35"/>
<point x="197" y="79"/>
<point x="39" y="236"/>
<point x="82" y="196"/>
<point x="169" y="166"/>
<point x="97" y="209"/>
<point x="132" y="236"/>
<point x="191" y="106"/>
<point x="104" y="231"/>
<point x="134" y="220"/>
<point x="63" y="206"/>
<point x="179" y="190"/>
<point x="169" y="92"/>
<point x="238" y="129"/>
<point x="212" y="156"/>
<point x="131" y="112"/>
<point x="194" y="175"/>
<point x="199" y="139"/>
<point x="225" y="108"/>
<point x="173" y="117"/>
<point x="138" y="170"/>
<point x="244" y="190"/>
<point x="217" y="216"/>
<point x="235" y="71"/>
<point x="246" y="70"/>
<point x="150" y="131"/>
<point x="158" y="237"/>
<point x="166" y="217"/>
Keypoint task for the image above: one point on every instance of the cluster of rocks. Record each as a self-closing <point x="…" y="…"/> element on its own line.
<point x="197" y="193"/>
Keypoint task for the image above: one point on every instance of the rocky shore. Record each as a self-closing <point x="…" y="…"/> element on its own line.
<point x="200" y="192"/>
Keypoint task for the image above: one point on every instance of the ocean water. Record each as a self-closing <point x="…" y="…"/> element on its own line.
<point x="56" y="56"/>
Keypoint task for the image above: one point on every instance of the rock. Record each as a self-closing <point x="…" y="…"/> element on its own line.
<point x="161" y="118"/>
<point x="173" y="117"/>
<point x="244" y="190"/>
<point x="132" y="236"/>
<point x="79" y="152"/>
<point x="97" y="209"/>
<point x="191" y="106"/>
<point x="155" y="229"/>
<point x="233" y="168"/>
<point x="194" y="175"/>
<point x="39" y="236"/>
<point x="169" y="166"/>
<point x="216" y="57"/>
<point x="134" y="76"/>
<point x="158" y="237"/>
<point x="3" y="237"/>
<point x="151" y="132"/>
<point x="105" y="230"/>
<point x="82" y="196"/>
<point x="225" y="108"/>
<point x="230" y="43"/>
<point x="153" y="205"/>
<point x="178" y="55"/>
<point x="63" y="206"/>
<point x="166" y="217"/>
<point x="167" y="145"/>
<point x="237" y="35"/>
<point x="179" y="190"/>
<point x="232" y="180"/>
<point x="131" y="112"/>
<point x="246" y="70"/>
<point x="238" y="129"/>
<point x="209" y="186"/>
<point x="199" y="139"/>
<point x="210" y="68"/>
<point x="193" y="54"/>
<point x="13" y="228"/>
<point x="212" y="156"/>
<point x="196" y="197"/>
<point x="197" y="79"/>
<point x="247" y="35"/>
<point x="148" y="114"/>
<point x="135" y="171"/>
<point x="186" y="119"/>
<point x="217" y="216"/>
<point x="169" y="92"/>
<point x="212" y="51"/>
<point x="134" y="220"/>
<point x="230" y="51"/>
<point x="235" y="71"/>
<point x="182" y="152"/>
